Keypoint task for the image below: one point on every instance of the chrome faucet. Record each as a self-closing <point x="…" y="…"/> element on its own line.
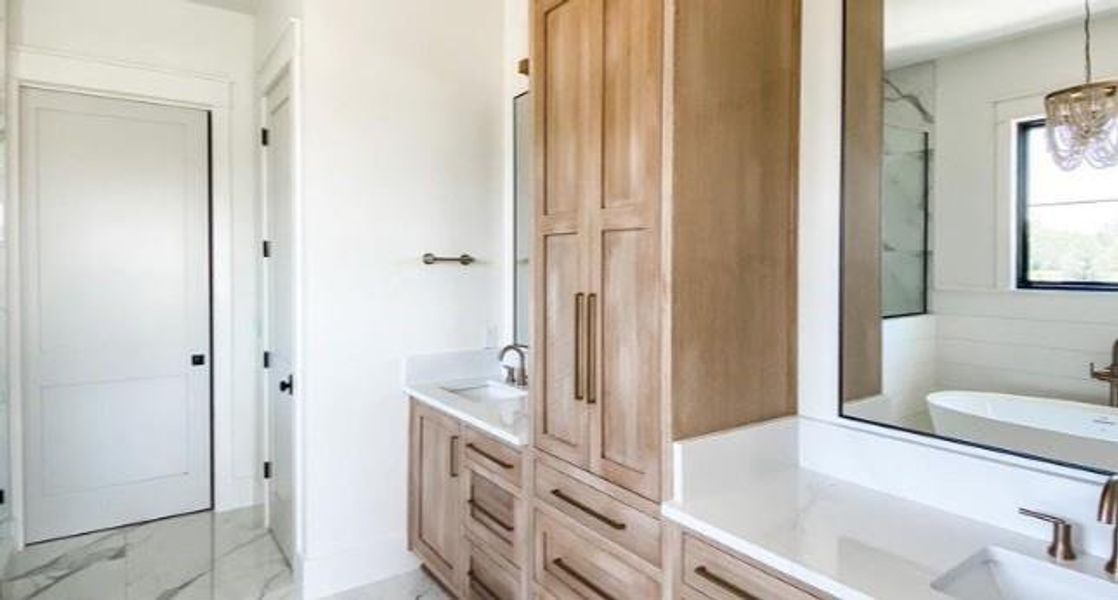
<point x="518" y="375"/>
<point x="1109" y="375"/>
<point x="1108" y="514"/>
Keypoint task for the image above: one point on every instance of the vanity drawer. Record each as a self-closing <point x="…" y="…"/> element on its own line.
<point x="487" y="578"/>
<point x="601" y="513"/>
<point x="569" y="565"/>
<point x="488" y="453"/>
<point x="493" y="514"/>
<point x="711" y="573"/>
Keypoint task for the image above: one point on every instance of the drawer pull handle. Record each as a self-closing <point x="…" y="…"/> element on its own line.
<point x="579" y="577"/>
<point x="580" y="301"/>
<point x="591" y="349"/>
<point x="725" y="585"/>
<point x="493" y="459"/>
<point x="476" y="582"/>
<point x="617" y="525"/>
<point x="474" y="505"/>
<point x="454" y="457"/>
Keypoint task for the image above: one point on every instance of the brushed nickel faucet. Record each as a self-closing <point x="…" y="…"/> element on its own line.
<point x="1109" y="375"/>
<point x="517" y="375"/>
<point x="1108" y="514"/>
<point x="1060" y="548"/>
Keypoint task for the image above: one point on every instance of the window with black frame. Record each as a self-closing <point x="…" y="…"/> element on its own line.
<point x="1067" y="221"/>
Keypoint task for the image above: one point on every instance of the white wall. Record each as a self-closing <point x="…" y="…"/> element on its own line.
<point x="179" y="36"/>
<point x="404" y="129"/>
<point x="982" y="485"/>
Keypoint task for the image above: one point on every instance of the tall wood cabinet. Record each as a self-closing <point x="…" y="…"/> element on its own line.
<point x="598" y="99"/>
<point x="666" y="146"/>
<point x="665" y="165"/>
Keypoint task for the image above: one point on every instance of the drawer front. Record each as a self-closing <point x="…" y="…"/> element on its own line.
<point x="720" y="576"/>
<point x="493" y="515"/>
<point x="488" y="579"/>
<point x="486" y="452"/>
<point x="600" y="512"/>
<point x="571" y="566"/>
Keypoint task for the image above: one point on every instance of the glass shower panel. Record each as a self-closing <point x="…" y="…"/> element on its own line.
<point x="904" y="222"/>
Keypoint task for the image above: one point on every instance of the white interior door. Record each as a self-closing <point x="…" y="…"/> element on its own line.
<point x="281" y="314"/>
<point x="115" y="311"/>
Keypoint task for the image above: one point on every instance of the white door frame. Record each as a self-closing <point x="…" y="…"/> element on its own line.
<point x="284" y="60"/>
<point x="37" y="68"/>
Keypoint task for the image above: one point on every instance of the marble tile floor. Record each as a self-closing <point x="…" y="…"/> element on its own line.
<point x="416" y="585"/>
<point x="203" y="556"/>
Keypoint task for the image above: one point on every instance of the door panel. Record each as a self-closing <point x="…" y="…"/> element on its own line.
<point x="567" y="91"/>
<point x="115" y="259"/>
<point x="437" y="488"/>
<point x="624" y="253"/>
<point x="631" y="136"/>
<point x="561" y="418"/>
<point x="281" y="317"/>
<point x="570" y="95"/>
<point x="626" y="424"/>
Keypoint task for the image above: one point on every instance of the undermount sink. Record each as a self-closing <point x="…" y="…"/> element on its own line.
<point x="999" y="574"/>
<point x="489" y="391"/>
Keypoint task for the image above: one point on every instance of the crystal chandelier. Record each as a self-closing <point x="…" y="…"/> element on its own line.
<point x="1083" y="120"/>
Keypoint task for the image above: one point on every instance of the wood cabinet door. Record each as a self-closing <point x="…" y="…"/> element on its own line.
<point x="436" y="497"/>
<point x="624" y="253"/>
<point x="567" y="59"/>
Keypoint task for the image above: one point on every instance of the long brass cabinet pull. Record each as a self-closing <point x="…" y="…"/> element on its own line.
<point x="579" y="577"/>
<point x="723" y="584"/>
<point x="479" y="584"/>
<point x="488" y="515"/>
<point x="580" y="393"/>
<point x="614" y="524"/>
<point x="493" y="459"/>
<point x="592" y="349"/>
<point x="454" y="456"/>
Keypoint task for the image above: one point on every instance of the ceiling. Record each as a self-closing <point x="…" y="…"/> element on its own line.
<point x="241" y="6"/>
<point x="918" y="30"/>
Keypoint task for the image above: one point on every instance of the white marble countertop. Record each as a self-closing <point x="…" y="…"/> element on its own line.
<point x="506" y="420"/>
<point x="837" y="536"/>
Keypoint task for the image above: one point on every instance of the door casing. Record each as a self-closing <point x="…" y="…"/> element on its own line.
<point x="44" y="70"/>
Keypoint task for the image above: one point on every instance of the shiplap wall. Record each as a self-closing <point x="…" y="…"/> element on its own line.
<point x="1033" y="343"/>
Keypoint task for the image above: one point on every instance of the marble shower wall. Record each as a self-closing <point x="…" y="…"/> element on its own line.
<point x="906" y="187"/>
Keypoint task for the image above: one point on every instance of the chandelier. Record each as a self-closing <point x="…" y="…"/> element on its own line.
<point x="1083" y="120"/>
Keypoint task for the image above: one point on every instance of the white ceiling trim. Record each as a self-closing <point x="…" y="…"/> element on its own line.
<point x="919" y="30"/>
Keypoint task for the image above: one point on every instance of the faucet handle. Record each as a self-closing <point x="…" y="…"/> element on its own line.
<point x="1107" y="374"/>
<point x="1060" y="548"/>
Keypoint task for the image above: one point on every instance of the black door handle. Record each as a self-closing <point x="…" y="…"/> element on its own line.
<point x="198" y="360"/>
<point x="288" y="385"/>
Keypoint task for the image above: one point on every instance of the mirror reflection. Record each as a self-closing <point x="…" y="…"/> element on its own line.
<point x="524" y="215"/>
<point x="996" y="257"/>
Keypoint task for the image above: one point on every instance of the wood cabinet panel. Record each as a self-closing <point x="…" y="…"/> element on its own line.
<point x="631" y="98"/>
<point x="436" y="491"/>
<point x="734" y="151"/>
<point x="567" y="84"/>
<point x="560" y="412"/>
<point x="493" y="516"/>
<point x="488" y="579"/>
<point x="626" y="411"/>
<point x="495" y="457"/>
<point x="570" y="565"/>
<point x="599" y="512"/>
<point x="721" y="576"/>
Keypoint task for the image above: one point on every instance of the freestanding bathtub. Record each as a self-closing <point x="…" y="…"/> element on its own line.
<point x="1064" y="430"/>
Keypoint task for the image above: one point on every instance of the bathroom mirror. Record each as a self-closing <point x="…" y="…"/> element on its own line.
<point x="523" y="215"/>
<point x="980" y="273"/>
<point x="6" y="541"/>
